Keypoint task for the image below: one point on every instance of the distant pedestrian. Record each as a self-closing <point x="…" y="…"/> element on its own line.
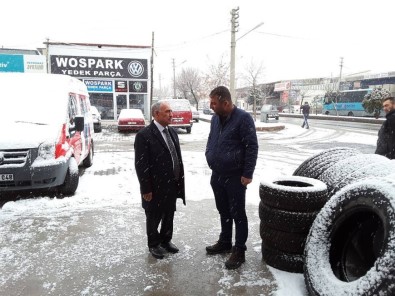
<point x="160" y="172"/>
<point x="231" y="153"/>
<point x="386" y="135"/>
<point x="306" y="111"/>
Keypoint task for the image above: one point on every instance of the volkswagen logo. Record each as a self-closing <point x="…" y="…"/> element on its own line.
<point x="135" y="69"/>
<point x="1" y="158"/>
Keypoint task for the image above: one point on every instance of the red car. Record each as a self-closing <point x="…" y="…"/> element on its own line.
<point x="131" y="120"/>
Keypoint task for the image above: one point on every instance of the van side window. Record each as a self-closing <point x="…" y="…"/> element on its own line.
<point x="73" y="111"/>
<point x="83" y="106"/>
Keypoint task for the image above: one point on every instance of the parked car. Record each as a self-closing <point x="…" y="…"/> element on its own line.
<point x="195" y="114"/>
<point x="131" y="120"/>
<point x="271" y="111"/>
<point x="96" y="117"/>
<point x="208" y="111"/>
<point x="182" y="114"/>
<point x="45" y="135"/>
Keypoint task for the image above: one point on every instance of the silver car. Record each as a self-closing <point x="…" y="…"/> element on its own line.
<point x="96" y="119"/>
<point x="195" y="114"/>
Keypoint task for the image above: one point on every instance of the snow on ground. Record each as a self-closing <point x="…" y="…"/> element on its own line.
<point x="92" y="194"/>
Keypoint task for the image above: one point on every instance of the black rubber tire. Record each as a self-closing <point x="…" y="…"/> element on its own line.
<point x="88" y="161"/>
<point x="350" y="249"/>
<point x="71" y="180"/>
<point x="289" y="242"/>
<point x="189" y="129"/>
<point x="282" y="260"/>
<point x="294" y="193"/>
<point x="314" y="166"/>
<point x="355" y="168"/>
<point x="286" y="220"/>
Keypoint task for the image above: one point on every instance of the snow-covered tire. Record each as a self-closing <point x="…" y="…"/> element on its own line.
<point x="314" y="166"/>
<point x="350" y="249"/>
<point x="71" y="180"/>
<point x="355" y="168"/>
<point x="88" y="161"/>
<point x="289" y="242"/>
<point x="286" y="220"/>
<point x="282" y="260"/>
<point x="294" y="193"/>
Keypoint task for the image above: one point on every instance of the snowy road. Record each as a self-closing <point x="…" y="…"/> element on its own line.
<point x="93" y="243"/>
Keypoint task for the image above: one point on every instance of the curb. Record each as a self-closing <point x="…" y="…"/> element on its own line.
<point x="258" y="128"/>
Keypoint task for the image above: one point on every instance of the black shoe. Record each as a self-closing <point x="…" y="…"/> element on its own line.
<point x="219" y="248"/>
<point x="158" y="252"/>
<point x="236" y="258"/>
<point x="170" y="247"/>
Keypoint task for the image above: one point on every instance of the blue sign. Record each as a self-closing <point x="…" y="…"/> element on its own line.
<point x="99" y="85"/>
<point x="11" y="63"/>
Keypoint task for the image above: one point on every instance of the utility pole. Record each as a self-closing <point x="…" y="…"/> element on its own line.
<point x="174" y="79"/>
<point x="47" y="55"/>
<point x="340" y="76"/>
<point x="234" y="28"/>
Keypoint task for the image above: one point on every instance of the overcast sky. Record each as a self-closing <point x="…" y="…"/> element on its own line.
<point x="299" y="39"/>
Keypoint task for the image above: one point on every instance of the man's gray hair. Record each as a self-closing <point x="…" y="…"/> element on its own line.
<point x="156" y="106"/>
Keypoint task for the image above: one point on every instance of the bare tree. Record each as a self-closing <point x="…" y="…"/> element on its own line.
<point x="253" y="73"/>
<point x="189" y="84"/>
<point x="218" y="74"/>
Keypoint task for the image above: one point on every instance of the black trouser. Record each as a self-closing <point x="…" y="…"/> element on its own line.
<point x="229" y="196"/>
<point x="163" y="216"/>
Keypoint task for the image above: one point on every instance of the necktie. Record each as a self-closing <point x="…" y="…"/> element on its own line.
<point x="173" y="152"/>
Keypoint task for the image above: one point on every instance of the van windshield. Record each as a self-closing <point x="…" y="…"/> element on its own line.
<point x="33" y="105"/>
<point x="180" y="105"/>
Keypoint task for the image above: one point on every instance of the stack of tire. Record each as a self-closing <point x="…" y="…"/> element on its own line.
<point x="289" y="205"/>
<point x="287" y="210"/>
<point x="350" y="249"/>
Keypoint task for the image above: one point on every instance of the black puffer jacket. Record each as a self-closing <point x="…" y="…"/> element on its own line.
<point x="386" y="137"/>
<point x="232" y="147"/>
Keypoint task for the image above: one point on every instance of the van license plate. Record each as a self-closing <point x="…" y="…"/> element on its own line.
<point x="6" y="177"/>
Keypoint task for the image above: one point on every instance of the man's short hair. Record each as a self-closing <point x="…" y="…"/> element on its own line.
<point x="155" y="107"/>
<point x="222" y="93"/>
<point x="392" y="99"/>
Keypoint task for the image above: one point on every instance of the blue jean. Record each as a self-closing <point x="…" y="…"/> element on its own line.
<point x="229" y="196"/>
<point x="305" y="117"/>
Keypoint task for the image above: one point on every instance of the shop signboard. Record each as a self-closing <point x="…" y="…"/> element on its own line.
<point x="99" y="67"/>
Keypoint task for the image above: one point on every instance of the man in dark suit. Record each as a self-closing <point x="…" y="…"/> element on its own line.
<point x="160" y="171"/>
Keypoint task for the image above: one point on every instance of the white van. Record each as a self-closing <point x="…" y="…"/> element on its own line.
<point x="45" y="132"/>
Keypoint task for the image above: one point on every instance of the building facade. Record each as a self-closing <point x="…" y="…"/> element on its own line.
<point x="117" y="76"/>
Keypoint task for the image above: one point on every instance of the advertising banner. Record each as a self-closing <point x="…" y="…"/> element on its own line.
<point x="99" y="85"/>
<point x="100" y="67"/>
<point x="11" y="63"/>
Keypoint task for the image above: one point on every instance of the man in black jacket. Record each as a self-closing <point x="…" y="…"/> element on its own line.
<point x="231" y="153"/>
<point x="306" y="111"/>
<point x="386" y="135"/>
<point x="160" y="171"/>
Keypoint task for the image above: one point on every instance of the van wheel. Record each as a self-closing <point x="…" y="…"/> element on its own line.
<point x="71" y="180"/>
<point x="350" y="247"/>
<point x="88" y="161"/>
<point x="189" y="129"/>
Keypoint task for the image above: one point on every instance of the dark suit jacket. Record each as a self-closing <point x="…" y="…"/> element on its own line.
<point x="154" y="167"/>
